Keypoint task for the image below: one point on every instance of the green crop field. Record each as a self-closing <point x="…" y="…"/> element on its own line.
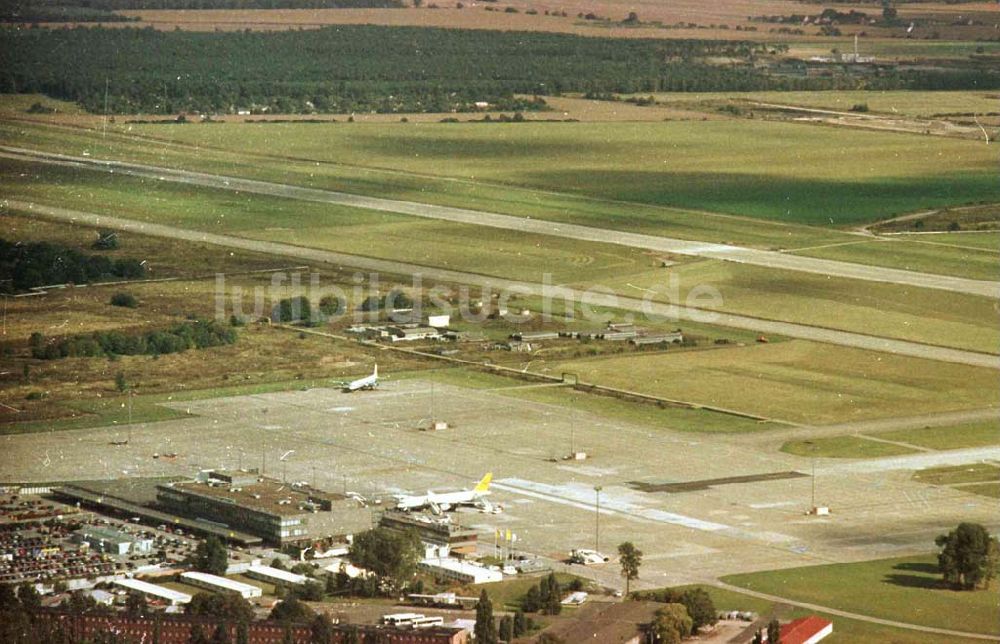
<point x="798" y="381"/>
<point x="906" y="590"/>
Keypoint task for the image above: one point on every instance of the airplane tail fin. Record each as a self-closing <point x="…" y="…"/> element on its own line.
<point x="484" y="484"/>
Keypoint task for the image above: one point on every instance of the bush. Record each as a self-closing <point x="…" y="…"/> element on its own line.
<point x="124" y="299"/>
<point x="331" y="305"/>
<point x="106" y="240"/>
<point x="293" y="309"/>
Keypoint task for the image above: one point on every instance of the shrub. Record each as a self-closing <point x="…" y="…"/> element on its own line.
<point x="124" y="299"/>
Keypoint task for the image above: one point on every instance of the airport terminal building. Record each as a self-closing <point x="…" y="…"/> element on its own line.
<point x="279" y="513"/>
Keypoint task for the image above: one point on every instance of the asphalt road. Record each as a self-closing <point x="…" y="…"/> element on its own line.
<point x="644" y="307"/>
<point x="756" y="257"/>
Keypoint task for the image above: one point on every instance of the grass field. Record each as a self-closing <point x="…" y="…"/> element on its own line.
<point x="959" y="474"/>
<point x="424" y="187"/>
<point x="991" y="489"/>
<point x="907" y="590"/>
<point x="798" y="381"/>
<point x="844" y="447"/>
<point x="986" y="240"/>
<point x="810" y="175"/>
<point x="846" y="631"/>
<point x="669" y="418"/>
<point x="356" y="231"/>
<point x="507" y="595"/>
<point x="979" y="478"/>
<point x="947" y="256"/>
<point x="955" y="437"/>
<point x="713" y="165"/>
<point x="909" y="103"/>
<point x="922" y="315"/>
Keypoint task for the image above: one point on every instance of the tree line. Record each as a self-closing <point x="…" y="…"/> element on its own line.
<point x="351" y="68"/>
<point x="24" y="266"/>
<point x="196" y="334"/>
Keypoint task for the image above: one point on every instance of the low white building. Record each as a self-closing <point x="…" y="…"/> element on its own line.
<point x="216" y="583"/>
<point x="109" y="540"/>
<point x="102" y="597"/>
<point x="172" y="597"/>
<point x="439" y="321"/>
<point x="349" y="569"/>
<point x="275" y="576"/>
<point x="460" y="571"/>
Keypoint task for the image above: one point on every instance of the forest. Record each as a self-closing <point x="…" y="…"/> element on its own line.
<point x="365" y="68"/>
<point x="27" y="266"/>
<point x="102" y="10"/>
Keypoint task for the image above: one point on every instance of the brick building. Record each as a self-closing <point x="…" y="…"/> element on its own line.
<point x="176" y="629"/>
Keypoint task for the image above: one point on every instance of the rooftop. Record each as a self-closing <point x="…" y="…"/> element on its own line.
<point x="282" y="575"/>
<point x="265" y="495"/>
<point x="806" y="629"/>
<point x="221" y="582"/>
<point x="608" y="623"/>
<point x="106" y="534"/>
<point x="172" y="596"/>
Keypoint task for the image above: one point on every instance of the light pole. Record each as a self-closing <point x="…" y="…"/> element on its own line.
<point x="597" y="519"/>
<point x="812" y="453"/>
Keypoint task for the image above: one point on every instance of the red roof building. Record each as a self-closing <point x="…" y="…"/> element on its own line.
<point x="806" y="630"/>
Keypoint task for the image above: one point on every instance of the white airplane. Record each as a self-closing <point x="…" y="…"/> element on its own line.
<point x="368" y="382"/>
<point x="443" y="502"/>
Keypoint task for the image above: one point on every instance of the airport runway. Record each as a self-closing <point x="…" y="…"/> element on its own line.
<point x="644" y="307"/>
<point x="756" y="257"/>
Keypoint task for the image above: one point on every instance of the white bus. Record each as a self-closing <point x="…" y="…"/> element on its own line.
<point x="401" y="619"/>
<point x="427" y="622"/>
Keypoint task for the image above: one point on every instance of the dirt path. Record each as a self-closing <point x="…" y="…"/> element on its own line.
<point x="645" y="307"/>
<point x="756" y="257"/>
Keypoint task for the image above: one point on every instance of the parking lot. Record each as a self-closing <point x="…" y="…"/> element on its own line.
<point x="37" y="543"/>
<point x="371" y="443"/>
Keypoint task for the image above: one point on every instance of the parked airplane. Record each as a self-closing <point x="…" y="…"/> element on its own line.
<point x="368" y="382"/>
<point x="443" y="502"/>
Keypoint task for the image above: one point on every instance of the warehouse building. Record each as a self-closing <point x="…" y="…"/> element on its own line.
<point x="154" y="591"/>
<point x="217" y="583"/>
<point x="112" y="541"/>
<point x="462" y="572"/>
<point x="275" y="576"/>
